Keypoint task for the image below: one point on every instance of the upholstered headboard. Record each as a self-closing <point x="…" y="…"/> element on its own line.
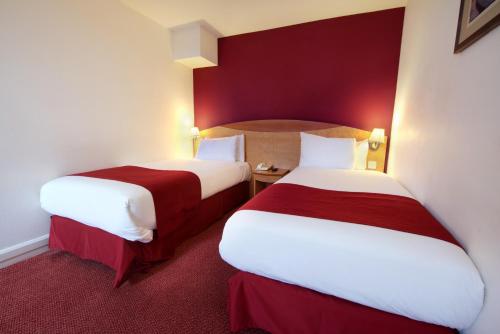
<point x="278" y="141"/>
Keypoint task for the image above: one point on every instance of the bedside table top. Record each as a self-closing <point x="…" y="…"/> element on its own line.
<point x="278" y="172"/>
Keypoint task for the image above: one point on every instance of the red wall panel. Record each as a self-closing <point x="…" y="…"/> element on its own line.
<point x="341" y="70"/>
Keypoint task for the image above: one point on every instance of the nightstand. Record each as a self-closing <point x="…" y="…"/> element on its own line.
<point x="262" y="179"/>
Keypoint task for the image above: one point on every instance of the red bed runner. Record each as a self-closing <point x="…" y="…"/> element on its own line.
<point x="176" y="194"/>
<point x="379" y="210"/>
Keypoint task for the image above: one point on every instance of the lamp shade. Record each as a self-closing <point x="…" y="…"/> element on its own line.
<point x="195" y="132"/>
<point x="377" y="136"/>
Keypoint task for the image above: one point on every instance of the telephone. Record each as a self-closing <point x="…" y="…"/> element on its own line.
<point x="263" y="166"/>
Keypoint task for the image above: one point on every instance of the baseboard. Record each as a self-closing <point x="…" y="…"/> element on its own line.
<point x="23" y="250"/>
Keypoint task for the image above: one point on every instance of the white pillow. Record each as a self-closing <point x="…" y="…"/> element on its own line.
<point x="217" y="149"/>
<point x="240" y="148"/>
<point x="361" y="154"/>
<point x="317" y="151"/>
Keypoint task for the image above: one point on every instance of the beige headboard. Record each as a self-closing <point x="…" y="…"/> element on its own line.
<point x="278" y="141"/>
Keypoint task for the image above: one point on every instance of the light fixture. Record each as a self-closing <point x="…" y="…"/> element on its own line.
<point x="377" y="137"/>
<point x="195" y="132"/>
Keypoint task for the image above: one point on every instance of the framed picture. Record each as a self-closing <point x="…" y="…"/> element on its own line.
<point x="476" y="19"/>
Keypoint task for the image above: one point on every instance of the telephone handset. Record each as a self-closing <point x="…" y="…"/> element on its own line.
<point x="264" y="167"/>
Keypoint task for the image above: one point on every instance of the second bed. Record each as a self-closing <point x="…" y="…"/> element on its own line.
<point x="323" y="238"/>
<point x="134" y="215"/>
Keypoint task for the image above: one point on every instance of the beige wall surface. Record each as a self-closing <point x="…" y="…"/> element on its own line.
<point x="446" y="136"/>
<point x="84" y="84"/>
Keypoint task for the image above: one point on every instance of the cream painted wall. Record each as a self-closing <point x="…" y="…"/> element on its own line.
<point x="84" y="84"/>
<point x="446" y="136"/>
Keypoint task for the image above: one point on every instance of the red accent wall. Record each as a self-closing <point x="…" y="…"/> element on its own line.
<point x="341" y="70"/>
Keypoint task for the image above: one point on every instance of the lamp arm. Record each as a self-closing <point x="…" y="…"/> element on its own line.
<point x="374" y="145"/>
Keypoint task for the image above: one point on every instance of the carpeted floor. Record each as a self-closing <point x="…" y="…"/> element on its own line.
<point x="58" y="293"/>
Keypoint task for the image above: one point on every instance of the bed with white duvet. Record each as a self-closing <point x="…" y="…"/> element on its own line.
<point x="125" y="209"/>
<point x="419" y="277"/>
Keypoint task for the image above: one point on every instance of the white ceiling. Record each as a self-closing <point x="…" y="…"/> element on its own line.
<point x="232" y="17"/>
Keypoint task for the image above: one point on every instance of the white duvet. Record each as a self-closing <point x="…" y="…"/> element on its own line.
<point x="126" y="209"/>
<point x="415" y="276"/>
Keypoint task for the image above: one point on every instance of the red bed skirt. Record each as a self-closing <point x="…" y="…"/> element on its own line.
<point x="259" y="302"/>
<point x="120" y="254"/>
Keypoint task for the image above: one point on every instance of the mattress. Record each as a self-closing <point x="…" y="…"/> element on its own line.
<point x="419" y="277"/>
<point x="127" y="210"/>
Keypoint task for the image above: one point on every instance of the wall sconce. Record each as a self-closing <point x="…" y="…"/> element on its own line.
<point x="195" y="134"/>
<point x="377" y="137"/>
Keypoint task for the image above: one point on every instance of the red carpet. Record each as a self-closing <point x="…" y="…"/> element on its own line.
<point x="59" y="293"/>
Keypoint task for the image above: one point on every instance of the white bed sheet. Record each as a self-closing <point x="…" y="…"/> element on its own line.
<point x="415" y="276"/>
<point x="126" y="209"/>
